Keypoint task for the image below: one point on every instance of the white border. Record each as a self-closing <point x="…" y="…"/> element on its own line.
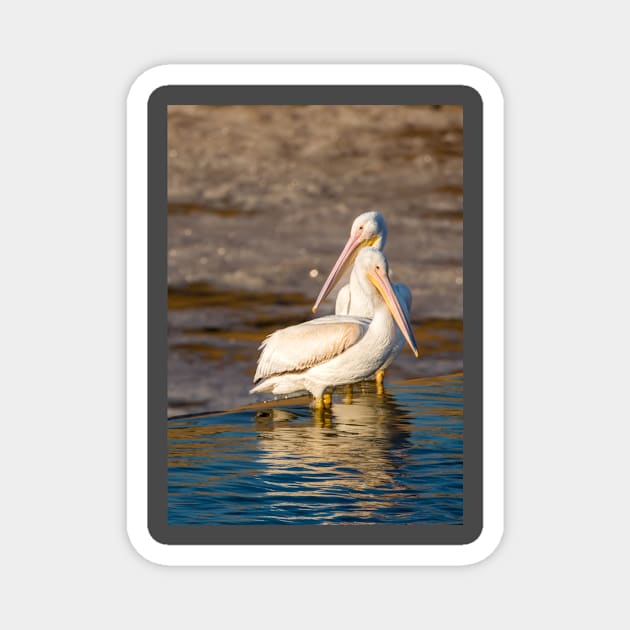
<point x="320" y="74"/>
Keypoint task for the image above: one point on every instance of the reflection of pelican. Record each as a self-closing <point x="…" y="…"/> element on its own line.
<point x="337" y="349"/>
<point x="340" y="456"/>
<point x="368" y="229"/>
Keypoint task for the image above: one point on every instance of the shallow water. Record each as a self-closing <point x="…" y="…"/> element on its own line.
<point x="389" y="457"/>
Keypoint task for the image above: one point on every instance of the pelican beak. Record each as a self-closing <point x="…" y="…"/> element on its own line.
<point x="346" y="258"/>
<point x="380" y="280"/>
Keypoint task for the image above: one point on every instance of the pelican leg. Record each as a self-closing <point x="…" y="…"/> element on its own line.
<point x="347" y="399"/>
<point x="327" y="399"/>
<point x="380" y="375"/>
<point x="319" y="402"/>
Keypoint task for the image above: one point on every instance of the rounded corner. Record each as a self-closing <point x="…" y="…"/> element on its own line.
<point x="483" y="83"/>
<point x="146" y="545"/>
<point x="149" y="83"/>
<point x="473" y="534"/>
<point x="483" y="545"/>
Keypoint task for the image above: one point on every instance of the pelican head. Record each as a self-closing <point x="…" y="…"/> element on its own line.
<point x="371" y="229"/>
<point x="371" y="265"/>
<point x="368" y="230"/>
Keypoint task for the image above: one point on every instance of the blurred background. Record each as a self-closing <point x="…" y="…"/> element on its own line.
<point x="261" y="200"/>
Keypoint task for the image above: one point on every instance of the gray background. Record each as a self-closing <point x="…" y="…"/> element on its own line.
<point x="65" y="556"/>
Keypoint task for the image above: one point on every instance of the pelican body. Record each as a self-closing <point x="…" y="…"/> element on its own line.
<point x="337" y="349"/>
<point x="368" y="230"/>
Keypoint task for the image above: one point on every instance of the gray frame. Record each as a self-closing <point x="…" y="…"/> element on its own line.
<point x="408" y="534"/>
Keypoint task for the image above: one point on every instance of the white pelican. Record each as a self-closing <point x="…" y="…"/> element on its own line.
<point x="337" y="349"/>
<point x="368" y="230"/>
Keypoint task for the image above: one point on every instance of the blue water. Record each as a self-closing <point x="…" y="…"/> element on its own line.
<point x="393" y="457"/>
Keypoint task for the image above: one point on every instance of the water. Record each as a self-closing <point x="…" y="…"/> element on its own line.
<point x="389" y="457"/>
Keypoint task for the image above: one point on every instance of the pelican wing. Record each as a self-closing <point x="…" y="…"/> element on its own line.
<point x="300" y="347"/>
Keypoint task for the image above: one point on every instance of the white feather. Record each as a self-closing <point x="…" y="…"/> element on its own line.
<point x="299" y="347"/>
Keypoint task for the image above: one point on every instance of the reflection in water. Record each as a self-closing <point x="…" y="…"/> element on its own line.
<point x="346" y="452"/>
<point x="393" y="457"/>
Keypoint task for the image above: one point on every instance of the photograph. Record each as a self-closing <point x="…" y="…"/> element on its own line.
<point x="315" y="314"/>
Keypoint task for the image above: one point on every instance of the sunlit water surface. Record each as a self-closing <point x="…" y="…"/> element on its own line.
<point x="394" y="457"/>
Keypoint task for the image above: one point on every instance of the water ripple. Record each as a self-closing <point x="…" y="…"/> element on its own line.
<point x="394" y="457"/>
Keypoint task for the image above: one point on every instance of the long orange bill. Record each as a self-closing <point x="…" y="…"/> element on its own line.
<point x="380" y="280"/>
<point x="346" y="258"/>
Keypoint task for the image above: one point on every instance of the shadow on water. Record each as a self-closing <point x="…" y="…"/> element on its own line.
<point x="388" y="457"/>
